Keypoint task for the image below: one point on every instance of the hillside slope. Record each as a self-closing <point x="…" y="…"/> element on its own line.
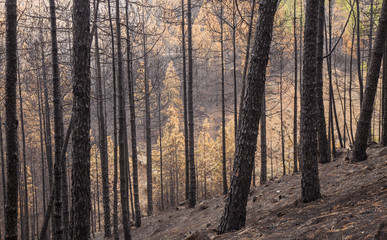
<point x="354" y="204"/>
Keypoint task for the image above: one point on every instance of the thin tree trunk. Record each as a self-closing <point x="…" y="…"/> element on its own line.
<point x="263" y="178"/>
<point x="81" y="205"/>
<point x="310" y="182"/>
<point x="115" y="181"/>
<point x="360" y="146"/>
<point x="192" y="191"/>
<point x="129" y="69"/>
<point x="149" y="186"/>
<point x="43" y="235"/>
<point x="359" y="72"/>
<point x="281" y="118"/>
<point x="121" y="133"/>
<point x="3" y="170"/>
<point x="161" y="150"/>
<point x="186" y="137"/>
<point x="295" y="111"/>
<point x="134" y="142"/>
<point x="223" y="106"/>
<point x="350" y="86"/>
<point x="26" y="200"/>
<point x="234" y="216"/>
<point x="102" y="140"/>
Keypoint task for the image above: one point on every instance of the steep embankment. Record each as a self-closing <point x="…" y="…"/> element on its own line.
<point x="353" y="205"/>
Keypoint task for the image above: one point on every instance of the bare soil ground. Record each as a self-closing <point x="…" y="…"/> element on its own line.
<point x="353" y="205"/>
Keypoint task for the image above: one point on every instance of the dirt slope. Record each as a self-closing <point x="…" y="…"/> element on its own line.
<point x="354" y="204"/>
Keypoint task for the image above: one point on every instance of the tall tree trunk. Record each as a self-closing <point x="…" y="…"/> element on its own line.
<point x="26" y="200"/>
<point x="223" y="105"/>
<point x="130" y="76"/>
<point x="359" y="72"/>
<point x="350" y="85"/>
<point x="102" y="142"/>
<point x="295" y="111"/>
<point x="263" y="178"/>
<point x="81" y="205"/>
<point x="122" y="132"/>
<point x="149" y="186"/>
<point x="234" y="216"/>
<point x="161" y="150"/>
<point x="323" y="143"/>
<point x="61" y="204"/>
<point x="310" y="182"/>
<point x="186" y="137"/>
<point x="192" y="190"/>
<point x="133" y="141"/>
<point x="11" y="121"/>
<point x="282" y="120"/>
<point x="234" y="25"/>
<point x="3" y="170"/>
<point x="115" y="181"/>
<point x="360" y="145"/>
<point x="43" y="174"/>
<point x="384" y="99"/>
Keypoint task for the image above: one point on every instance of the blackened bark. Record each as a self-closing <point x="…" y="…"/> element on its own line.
<point x="362" y="131"/>
<point x="323" y="144"/>
<point x="133" y="132"/>
<point x="384" y="99"/>
<point x="102" y="143"/>
<point x="3" y="169"/>
<point x="223" y="106"/>
<point x="60" y="180"/>
<point x="149" y="186"/>
<point x="26" y="200"/>
<point x="359" y="72"/>
<point x="234" y="216"/>
<point x="183" y="43"/>
<point x="192" y="190"/>
<point x="263" y="178"/>
<point x="310" y="182"/>
<point x="11" y="121"/>
<point x="81" y="205"/>
<point x="115" y="151"/>
<point x="295" y="113"/>
<point x="122" y="132"/>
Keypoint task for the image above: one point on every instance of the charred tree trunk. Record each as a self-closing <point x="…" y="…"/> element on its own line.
<point x="81" y="204"/>
<point x="234" y="216"/>
<point x="223" y="106"/>
<point x="310" y="182"/>
<point x="11" y="121"/>
<point x="192" y="190"/>
<point x="384" y="99"/>
<point x="122" y="132"/>
<point x="362" y="131"/>
<point x="295" y="113"/>
<point x="186" y="144"/>
<point x="323" y="143"/>
<point x="263" y="178"/>
<point x="102" y="142"/>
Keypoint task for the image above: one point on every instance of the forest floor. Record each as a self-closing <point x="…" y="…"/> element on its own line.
<point x="353" y="204"/>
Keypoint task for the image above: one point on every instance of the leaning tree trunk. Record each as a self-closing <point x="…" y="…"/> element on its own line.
<point x="234" y="216"/>
<point x="323" y="143"/>
<point x="362" y="131"/>
<point x="11" y="122"/>
<point x="310" y="182"/>
<point x="81" y="205"/>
